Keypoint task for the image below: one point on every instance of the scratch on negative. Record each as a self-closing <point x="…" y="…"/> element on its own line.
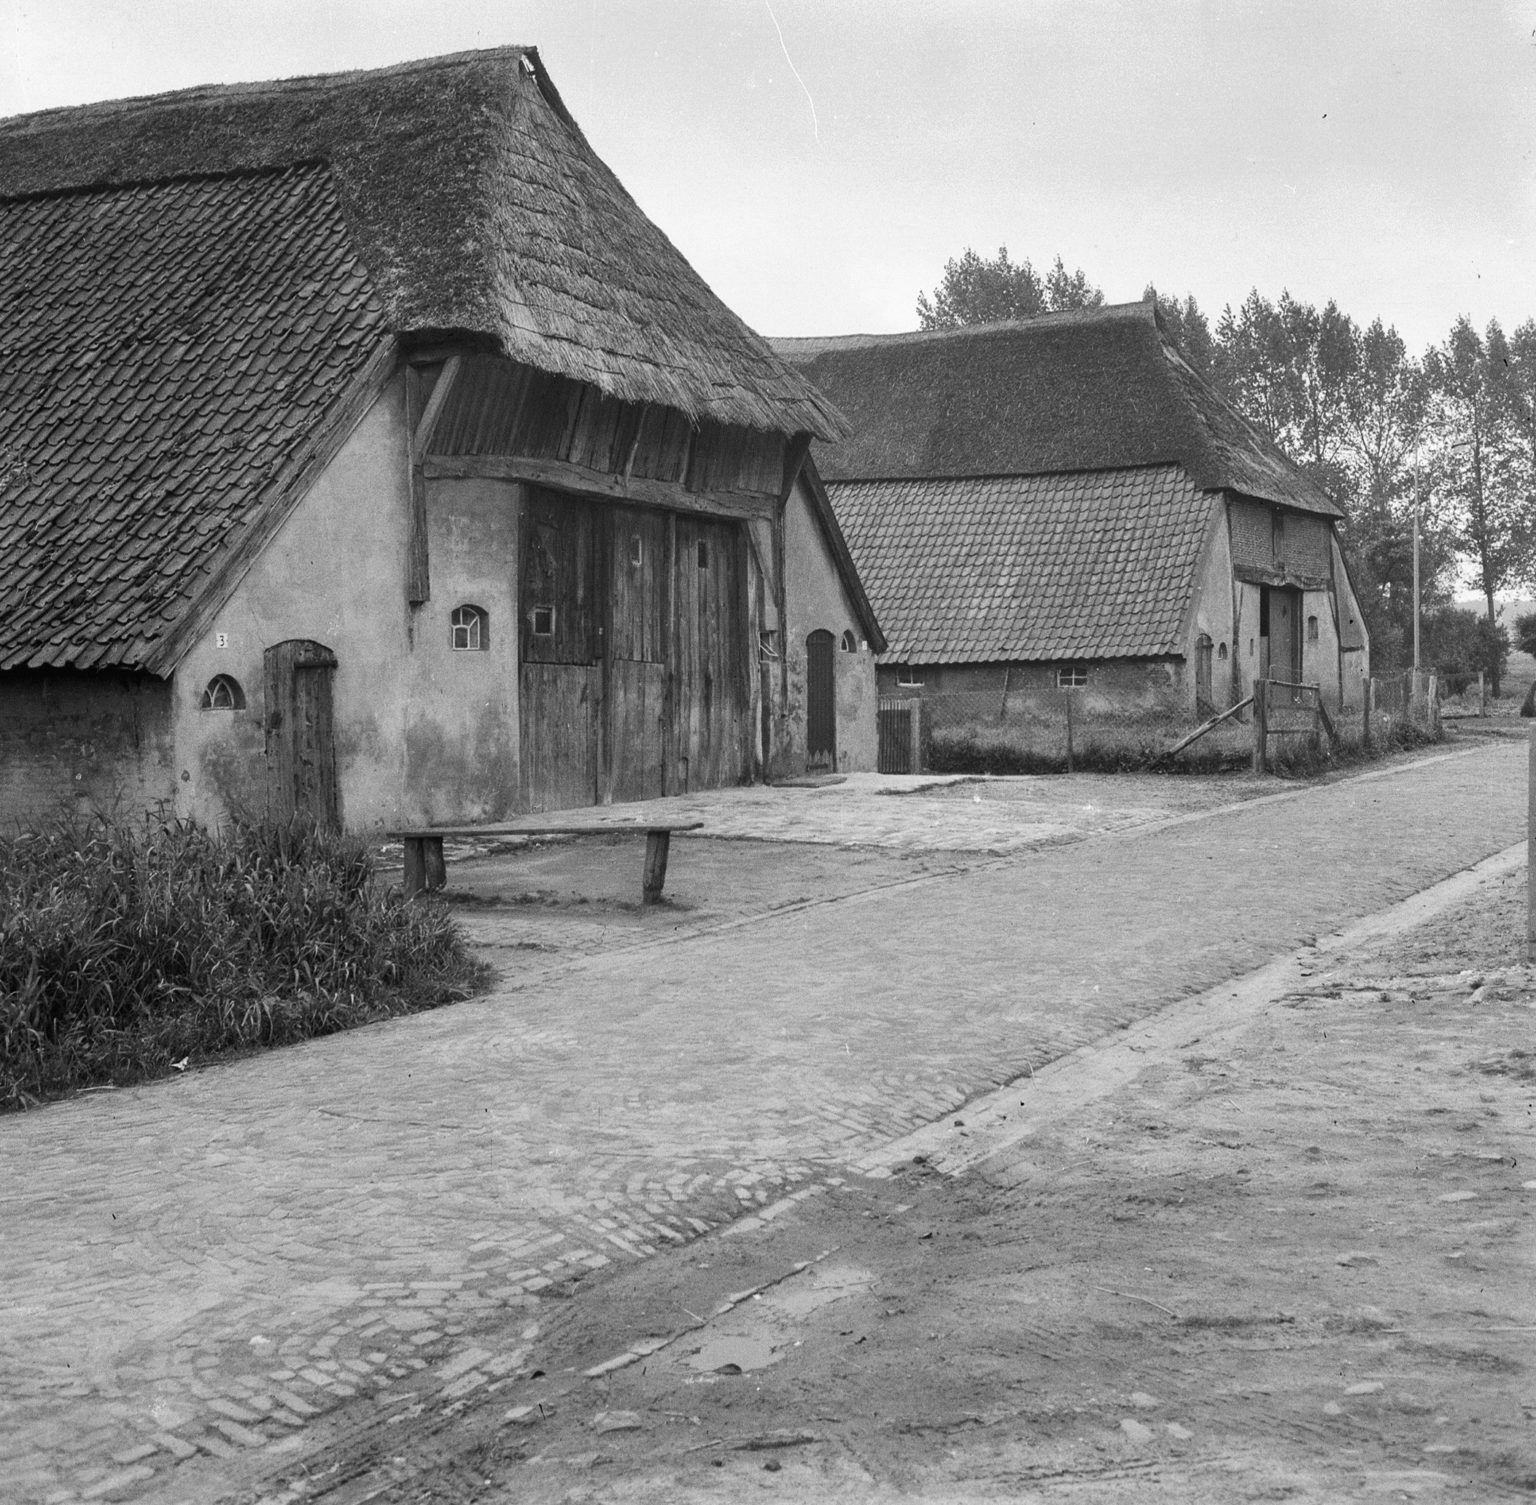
<point x="815" y="125"/>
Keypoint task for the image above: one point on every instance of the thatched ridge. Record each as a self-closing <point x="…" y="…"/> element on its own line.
<point x="475" y="204"/>
<point x="1082" y="391"/>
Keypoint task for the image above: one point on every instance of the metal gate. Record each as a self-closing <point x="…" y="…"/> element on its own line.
<point x="900" y="731"/>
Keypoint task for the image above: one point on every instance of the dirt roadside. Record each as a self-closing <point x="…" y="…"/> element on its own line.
<point x="1285" y="1253"/>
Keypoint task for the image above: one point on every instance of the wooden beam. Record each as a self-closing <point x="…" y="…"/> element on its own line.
<point x="563" y="475"/>
<point x="422" y="434"/>
<point x="418" y="580"/>
<point x="1206" y="726"/>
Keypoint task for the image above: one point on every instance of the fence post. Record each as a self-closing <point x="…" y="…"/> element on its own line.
<point x="1068" y="694"/>
<point x="1365" y="737"/>
<point x="1530" y="853"/>
<point x="1261" y="726"/>
<point x="1482" y="695"/>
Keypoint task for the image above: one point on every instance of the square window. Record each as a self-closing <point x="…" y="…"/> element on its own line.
<point x="543" y="621"/>
<point x="908" y="678"/>
<point x="1072" y="677"/>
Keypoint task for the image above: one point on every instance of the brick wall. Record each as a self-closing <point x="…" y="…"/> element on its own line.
<point x="98" y="743"/>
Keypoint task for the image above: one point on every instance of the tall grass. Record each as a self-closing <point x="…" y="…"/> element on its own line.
<point x="126" y="949"/>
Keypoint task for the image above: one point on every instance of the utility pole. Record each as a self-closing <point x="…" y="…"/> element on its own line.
<point x="1417" y="504"/>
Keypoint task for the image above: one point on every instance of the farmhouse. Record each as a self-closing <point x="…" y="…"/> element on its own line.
<point x="365" y="450"/>
<point x="1063" y="503"/>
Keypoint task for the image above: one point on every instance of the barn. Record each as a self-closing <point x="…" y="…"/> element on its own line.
<point x="364" y="450"/>
<point x="1062" y="503"/>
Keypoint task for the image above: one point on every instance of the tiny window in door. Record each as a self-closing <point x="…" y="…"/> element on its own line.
<point x="543" y="621"/>
<point x="703" y="553"/>
<point x="636" y="551"/>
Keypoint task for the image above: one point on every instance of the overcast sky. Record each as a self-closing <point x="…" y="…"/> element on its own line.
<point x="819" y="160"/>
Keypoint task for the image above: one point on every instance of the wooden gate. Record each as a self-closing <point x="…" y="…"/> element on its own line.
<point x="299" y="737"/>
<point x="820" y="701"/>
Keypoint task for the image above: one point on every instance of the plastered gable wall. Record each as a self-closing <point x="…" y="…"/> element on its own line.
<point x="461" y="729"/>
<point x="334" y="573"/>
<point x="1212" y="615"/>
<point x="816" y="599"/>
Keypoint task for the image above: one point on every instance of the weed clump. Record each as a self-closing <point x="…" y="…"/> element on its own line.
<point x="126" y="949"/>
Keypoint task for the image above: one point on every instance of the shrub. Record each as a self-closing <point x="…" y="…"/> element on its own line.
<point x="126" y="949"/>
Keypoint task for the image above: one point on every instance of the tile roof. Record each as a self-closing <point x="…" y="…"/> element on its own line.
<point x="1087" y="390"/>
<point x="165" y="351"/>
<point x="1097" y="564"/>
<point x="477" y="205"/>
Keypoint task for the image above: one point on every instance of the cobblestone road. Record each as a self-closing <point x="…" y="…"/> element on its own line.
<point x="198" y="1269"/>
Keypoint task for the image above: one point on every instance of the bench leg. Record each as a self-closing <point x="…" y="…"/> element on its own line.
<point x="656" y="845"/>
<point x="437" y="873"/>
<point x="415" y="867"/>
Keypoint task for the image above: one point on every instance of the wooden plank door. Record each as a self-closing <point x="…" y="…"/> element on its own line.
<point x="637" y="631"/>
<point x="709" y="666"/>
<point x="820" y="701"/>
<point x="1285" y="634"/>
<point x="561" y="674"/>
<point x="299" y="733"/>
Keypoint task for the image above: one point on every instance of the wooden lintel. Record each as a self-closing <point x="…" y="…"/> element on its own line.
<point x="422" y="435"/>
<point x="565" y="476"/>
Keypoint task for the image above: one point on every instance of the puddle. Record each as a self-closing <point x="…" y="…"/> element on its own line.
<point x="734" y="1355"/>
<point x="824" y="1285"/>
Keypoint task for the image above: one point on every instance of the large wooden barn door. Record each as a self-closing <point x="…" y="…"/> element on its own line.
<point x="561" y="674"/>
<point x="636" y="697"/>
<point x="300" y="740"/>
<point x="711" y="695"/>
<point x="820" y="701"/>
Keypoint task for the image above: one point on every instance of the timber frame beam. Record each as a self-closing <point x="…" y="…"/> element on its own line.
<point x="563" y="475"/>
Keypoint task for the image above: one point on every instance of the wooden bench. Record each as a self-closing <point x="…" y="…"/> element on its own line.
<point x="425" y="869"/>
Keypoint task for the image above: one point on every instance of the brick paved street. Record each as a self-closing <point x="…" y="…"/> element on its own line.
<point x="200" y="1268"/>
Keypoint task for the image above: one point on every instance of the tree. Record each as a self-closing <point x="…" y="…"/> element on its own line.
<point x="1477" y="461"/>
<point x="975" y="290"/>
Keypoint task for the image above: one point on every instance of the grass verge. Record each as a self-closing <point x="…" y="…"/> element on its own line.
<point x="128" y="951"/>
<point x="1132" y="747"/>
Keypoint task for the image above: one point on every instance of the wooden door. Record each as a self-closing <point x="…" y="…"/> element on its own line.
<point x="561" y="676"/>
<point x="299" y="736"/>
<point x="1284" y="634"/>
<point x="1203" y="702"/>
<point x="708" y="661"/>
<point x="820" y="702"/>
<point x="637" y="631"/>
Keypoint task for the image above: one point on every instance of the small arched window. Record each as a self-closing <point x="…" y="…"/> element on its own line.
<point x="850" y="643"/>
<point x="471" y="628"/>
<point x="1311" y="629"/>
<point x="223" y="693"/>
<point x="1221" y="652"/>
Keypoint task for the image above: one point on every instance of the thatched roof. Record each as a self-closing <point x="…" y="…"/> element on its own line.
<point x="1064" y="392"/>
<point x="475" y="204"/>
<point x="1083" y="565"/>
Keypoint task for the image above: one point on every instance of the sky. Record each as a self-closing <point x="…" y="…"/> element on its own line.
<point x="819" y="161"/>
